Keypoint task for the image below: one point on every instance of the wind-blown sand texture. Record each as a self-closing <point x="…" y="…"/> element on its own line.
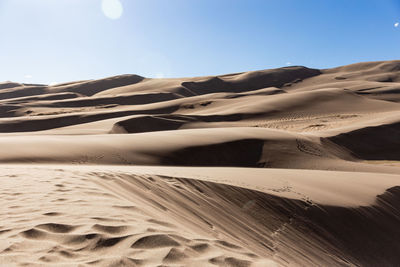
<point x="282" y="167"/>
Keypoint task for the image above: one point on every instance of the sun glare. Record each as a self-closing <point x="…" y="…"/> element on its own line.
<point x="112" y="9"/>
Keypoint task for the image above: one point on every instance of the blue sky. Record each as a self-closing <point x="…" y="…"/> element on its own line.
<point x="48" y="41"/>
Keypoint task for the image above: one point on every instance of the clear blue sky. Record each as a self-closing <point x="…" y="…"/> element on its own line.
<point x="45" y="41"/>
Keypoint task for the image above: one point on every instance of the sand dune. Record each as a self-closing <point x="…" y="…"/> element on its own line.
<point x="283" y="167"/>
<point x="204" y="217"/>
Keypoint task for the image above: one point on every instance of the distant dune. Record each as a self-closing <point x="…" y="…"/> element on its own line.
<point x="282" y="167"/>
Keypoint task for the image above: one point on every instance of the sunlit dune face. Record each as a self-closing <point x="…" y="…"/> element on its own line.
<point x="112" y="9"/>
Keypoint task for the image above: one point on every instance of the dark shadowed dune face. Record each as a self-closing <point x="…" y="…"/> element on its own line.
<point x="92" y="87"/>
<point x="380" y="142"/>
<point x="250" y="81"/>
<point x="242" y="153"/>
<point x="282" y="167"/>
<point x="6" y="85"/>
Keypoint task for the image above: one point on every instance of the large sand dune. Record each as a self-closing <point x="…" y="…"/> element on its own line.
<point x="284" y="167"/>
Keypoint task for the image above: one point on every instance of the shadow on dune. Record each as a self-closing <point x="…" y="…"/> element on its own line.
<point x="136" y="99"/>
<point x="250" y="81"/>
<point x="51" y="122"/>
<point x="147" y="123"/>
<point x="364" y="236"/>
<point x="7" y="85"/>
<point x="368" y="235"/>
<point x="241" y="153"/>
<point x="372" y="143"/>
<point x="294" y="232"/>
<point x="297" y="232"/>
<point x="90" y="88"/>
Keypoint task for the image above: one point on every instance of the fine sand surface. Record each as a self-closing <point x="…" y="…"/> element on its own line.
<point x="282" y="167"/>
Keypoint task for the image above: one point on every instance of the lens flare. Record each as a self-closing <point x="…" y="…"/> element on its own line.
<point x="112" y="9"/>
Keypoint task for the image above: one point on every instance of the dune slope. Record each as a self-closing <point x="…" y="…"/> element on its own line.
<point x="143" y="216"/>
